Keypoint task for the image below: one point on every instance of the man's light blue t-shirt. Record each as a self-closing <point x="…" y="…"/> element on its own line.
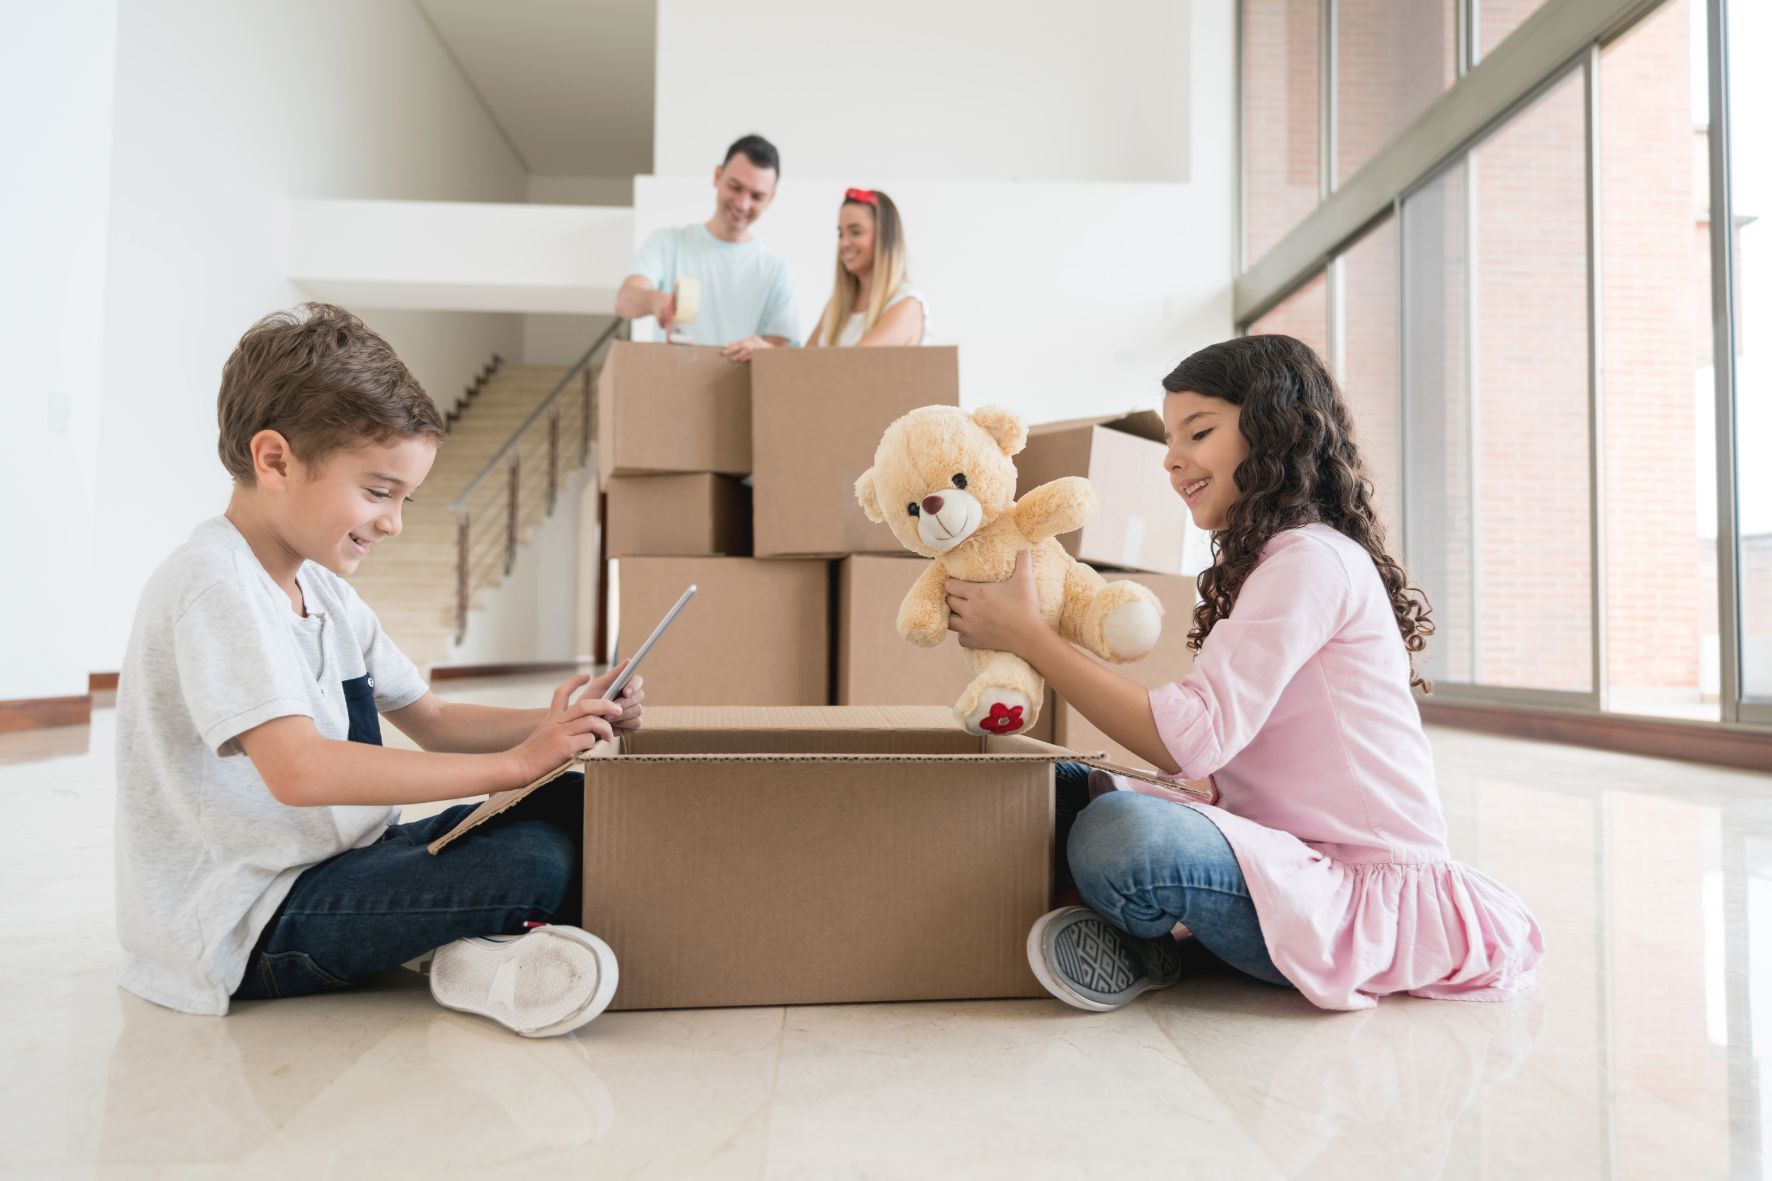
<point x="746" y="288"/>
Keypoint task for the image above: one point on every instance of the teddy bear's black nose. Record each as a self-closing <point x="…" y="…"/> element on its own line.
<point x="932" y="504"/>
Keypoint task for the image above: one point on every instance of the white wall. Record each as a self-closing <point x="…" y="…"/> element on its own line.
<point x="562" y="339"/>
<point x="934" y="90"/>
<point x="1073" y="275"/>
<point x="53" y="58"/>
<point x="225" y="111"/>
<point x="495" y="256"/>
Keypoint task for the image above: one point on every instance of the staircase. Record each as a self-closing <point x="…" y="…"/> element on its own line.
<point x="519" y="434"/>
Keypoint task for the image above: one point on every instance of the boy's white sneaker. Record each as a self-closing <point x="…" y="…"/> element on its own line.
<point x="541" y="983"/>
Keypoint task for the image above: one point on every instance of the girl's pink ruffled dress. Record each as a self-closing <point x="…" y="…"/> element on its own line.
<point x="1300" y="711"/>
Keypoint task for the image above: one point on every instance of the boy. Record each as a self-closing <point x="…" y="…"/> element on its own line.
<point x="259" y="849"/>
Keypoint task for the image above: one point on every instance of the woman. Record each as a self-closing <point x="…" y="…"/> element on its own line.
<point x="871" y="302"/>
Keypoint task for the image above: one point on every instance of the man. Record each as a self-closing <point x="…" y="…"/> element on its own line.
<point x="748" y="300"/>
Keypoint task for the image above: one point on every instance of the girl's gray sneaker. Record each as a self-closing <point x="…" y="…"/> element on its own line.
<point x="544" y="982"/>
<point x="1086" y="961"/>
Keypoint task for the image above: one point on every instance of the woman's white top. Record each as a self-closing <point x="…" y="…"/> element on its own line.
<point x="856" y="328"/>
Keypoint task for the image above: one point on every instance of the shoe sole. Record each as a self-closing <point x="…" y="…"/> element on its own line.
<point x="471" y="998"/>
<point x="1059" y="987"/>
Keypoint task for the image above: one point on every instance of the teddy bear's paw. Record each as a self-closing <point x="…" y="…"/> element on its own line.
<point x="1131" y="629"/>
<point x="999" y="711"/>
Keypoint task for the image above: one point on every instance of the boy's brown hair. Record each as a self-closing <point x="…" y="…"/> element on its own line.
<point x="321" y="378"/>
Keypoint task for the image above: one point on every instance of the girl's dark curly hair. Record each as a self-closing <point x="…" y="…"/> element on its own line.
<point x="1302" y="467"/>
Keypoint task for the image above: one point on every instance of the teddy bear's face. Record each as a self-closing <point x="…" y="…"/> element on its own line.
<point x="941" y="474"/>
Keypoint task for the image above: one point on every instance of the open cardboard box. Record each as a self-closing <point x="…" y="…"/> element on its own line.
<point x="802" y="855"/>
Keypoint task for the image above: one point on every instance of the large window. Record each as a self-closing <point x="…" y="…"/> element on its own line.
<point x="1565" y="408"/>
<point x="1440" y="479"/>
<point x="1497" y="19"/>
<point x="1365" y="280"/>
<point x="1303" y="314"/>
<point x="1657" y="387"/>
<point x="1392" y="58"/>
<point x="1750" y="97"/>
<point x="1495" y="372"/>
<point x="1282" y="157"/>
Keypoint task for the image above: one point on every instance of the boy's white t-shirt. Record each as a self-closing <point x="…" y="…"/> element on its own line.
<point x="746" y="288"/>
<point x="205" y="854"/>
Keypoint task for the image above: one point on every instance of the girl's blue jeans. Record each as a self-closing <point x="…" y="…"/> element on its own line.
<point x="1145" y="864"/>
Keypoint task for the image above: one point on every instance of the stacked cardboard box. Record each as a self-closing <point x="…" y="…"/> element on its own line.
<point x="740" y="478"/>
<point x="740" y="836"/>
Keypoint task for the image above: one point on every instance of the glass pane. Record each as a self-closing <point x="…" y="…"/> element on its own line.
<point x="1750" y="96"/>
<point x="1392" y="58"/>
<point x="1499" y="530"/>
<point x="1303" y="314"/>
<point x="1280" y="133"/>
<point x="1438" y="478"/>
<point x="1367" y="275"/>
<point x="1497" y="18"/>
<point x="1657" y="386"/>
<point x="1534" y="511"/>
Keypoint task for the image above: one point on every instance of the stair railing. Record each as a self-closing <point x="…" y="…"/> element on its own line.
<point x="491" y="514"/>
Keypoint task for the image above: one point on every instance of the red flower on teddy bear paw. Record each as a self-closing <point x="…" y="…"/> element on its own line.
<point x="1002" y="719"/>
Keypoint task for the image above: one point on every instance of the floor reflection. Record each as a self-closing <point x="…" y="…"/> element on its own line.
<point x="1641" y="1054"/>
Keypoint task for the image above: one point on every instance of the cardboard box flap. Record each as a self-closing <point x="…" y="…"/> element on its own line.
<point x="753" y="735"/>
<point x="1146" y="424"/>
<point x="497" y="802"/>
<point x="1178" y="786"/>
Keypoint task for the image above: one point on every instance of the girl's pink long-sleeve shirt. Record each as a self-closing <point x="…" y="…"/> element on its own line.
<point x="1299" y="709"/>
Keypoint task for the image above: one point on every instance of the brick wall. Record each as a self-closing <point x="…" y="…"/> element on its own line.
<point x="1280" y="93"/>
<point x="1654" y="265"/>
<point x="1393" y="58"/>
<point x="1530" y="316"/>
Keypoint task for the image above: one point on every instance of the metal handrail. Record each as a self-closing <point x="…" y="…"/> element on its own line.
<point x="480" y="553"/>
<point x="459" y="504"/>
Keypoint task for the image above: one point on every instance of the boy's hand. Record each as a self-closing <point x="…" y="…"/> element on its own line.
<point x="632" y="694"/>
<point x="570" y="728"/>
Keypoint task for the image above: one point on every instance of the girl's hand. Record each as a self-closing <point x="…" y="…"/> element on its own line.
<point x="632" y="694"/>
<point x="741" y="350"/>
<point x="569" y="729"/>
<point x="1002" y="616"/>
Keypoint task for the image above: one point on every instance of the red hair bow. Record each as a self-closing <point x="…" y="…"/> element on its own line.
<point x="865" y="196"/>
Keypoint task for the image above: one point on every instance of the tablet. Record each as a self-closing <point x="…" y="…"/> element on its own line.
<point x="620" y="683"/>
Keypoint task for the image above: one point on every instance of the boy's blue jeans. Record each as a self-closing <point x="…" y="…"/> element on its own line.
<point x="1145" y="864"/>
<point x="371" y="909"/>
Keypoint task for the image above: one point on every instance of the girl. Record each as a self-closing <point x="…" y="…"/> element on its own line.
<point x="1321" y="861"/>
<point x="872" y="303"/>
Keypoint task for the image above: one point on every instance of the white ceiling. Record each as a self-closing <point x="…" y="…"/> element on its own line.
<point x="569" y="81"/>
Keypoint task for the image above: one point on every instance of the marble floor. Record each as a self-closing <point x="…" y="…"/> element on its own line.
<point x="1644" y="1053"/>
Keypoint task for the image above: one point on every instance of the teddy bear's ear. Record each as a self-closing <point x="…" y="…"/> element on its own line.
<point x="1005" y="426"/>
<point x="868" y="499"/>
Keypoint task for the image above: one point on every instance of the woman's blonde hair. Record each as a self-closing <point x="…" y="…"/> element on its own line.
<point x="889" y="268"/>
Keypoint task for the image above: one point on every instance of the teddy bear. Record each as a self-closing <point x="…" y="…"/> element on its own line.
<point x="944" y="481"/>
